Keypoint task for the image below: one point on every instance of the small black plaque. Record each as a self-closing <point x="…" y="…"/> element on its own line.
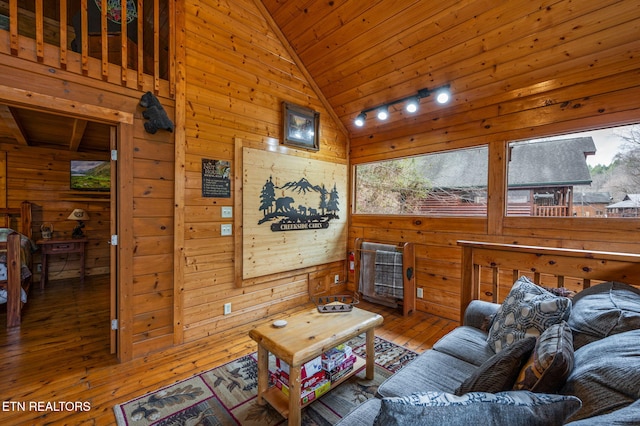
<point x="216" y="182"/>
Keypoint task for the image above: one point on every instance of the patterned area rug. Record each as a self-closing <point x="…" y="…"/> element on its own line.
<point x="226" y="395"/>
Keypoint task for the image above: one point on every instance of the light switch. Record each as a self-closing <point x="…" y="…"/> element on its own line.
<point x="226" y="229"/>
<point x="226" y="212"/>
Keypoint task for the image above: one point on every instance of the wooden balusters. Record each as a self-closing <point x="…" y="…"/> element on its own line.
<point x="123" y="41"/>
<point x="39" y="31"/>
<point x="104" y="41"/>
<point x="44" y="32"/>
<point x="140" y="52"/>
<point x="156" y="44"/>
<point x="85" y="36"/>
<point x="13" y="26"/>
<point x="63" y="34"/>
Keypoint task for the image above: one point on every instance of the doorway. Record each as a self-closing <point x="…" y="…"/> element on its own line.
<point x="40" y="146"/>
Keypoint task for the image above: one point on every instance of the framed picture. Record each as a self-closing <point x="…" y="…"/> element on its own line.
<point x="301" y="126"/>
<point x="90" y="175"/>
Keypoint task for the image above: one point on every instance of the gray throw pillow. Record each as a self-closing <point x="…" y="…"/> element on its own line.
<point x="606" y="375"/>
<point x="627" y="416"/>
<point x="513" y="408"/>
<point x="602" y="310"/>
<point x="528" y="310"/>
<point x="499" y="372"/>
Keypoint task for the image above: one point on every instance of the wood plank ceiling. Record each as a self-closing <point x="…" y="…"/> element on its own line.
<point x="39" y="129"/>
<point x="492" y="52"/>
<point x="496" y="55"/>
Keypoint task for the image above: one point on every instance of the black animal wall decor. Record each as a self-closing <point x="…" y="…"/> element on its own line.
<point x="290" y="218"/>
<point x="155" y="114"/>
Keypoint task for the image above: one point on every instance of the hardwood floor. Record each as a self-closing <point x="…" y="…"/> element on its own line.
<point x="60" y="354"/>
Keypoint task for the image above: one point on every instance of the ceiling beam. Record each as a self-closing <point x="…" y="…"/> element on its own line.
<point x="11" y="122"/>
<point x="55" y="105"/>
<point x="79" y="127"/>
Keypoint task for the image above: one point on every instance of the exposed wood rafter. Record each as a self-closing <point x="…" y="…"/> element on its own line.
<point x="79" y="127"/>
<point x="12" y="123"/>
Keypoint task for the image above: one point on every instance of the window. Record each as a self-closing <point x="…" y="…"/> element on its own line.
<point x="451" y="183"/>
<point x="587" y="174"/>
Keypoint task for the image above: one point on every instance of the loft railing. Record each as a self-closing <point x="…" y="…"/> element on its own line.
<point x="87" y="37"/>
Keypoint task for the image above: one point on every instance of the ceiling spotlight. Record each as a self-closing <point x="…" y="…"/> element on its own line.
<point x="383" y="112"/>
<point x="411" y="105"/>
<point x="443" y="95"/>
<point x="359" y="121"/>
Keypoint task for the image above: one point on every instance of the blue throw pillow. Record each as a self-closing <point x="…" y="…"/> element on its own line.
<point x="513" y="408"/>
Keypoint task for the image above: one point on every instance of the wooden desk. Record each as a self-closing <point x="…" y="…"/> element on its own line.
<point x="54" y="246"/>
<point x="306" y="336"/>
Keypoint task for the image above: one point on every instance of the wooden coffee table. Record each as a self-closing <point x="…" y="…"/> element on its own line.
<point x="306" y="336"/>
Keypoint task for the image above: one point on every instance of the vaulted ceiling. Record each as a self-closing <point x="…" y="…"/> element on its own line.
<point x="492" y="52"/>
<point x="496" y="55"/>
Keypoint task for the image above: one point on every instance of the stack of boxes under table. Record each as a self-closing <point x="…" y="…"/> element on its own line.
<point x="319" y="374"/>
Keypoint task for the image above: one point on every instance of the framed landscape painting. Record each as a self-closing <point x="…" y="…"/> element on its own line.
<point x="90" y="175"/>
<point x="301" y="126"/>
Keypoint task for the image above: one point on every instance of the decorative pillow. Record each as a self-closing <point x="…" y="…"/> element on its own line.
<point x="550" y="363"/>
<point x="24" y="240"/>
<point x="602" y="310"/>
<point x="627" y="416"/>
<point x="487" y="321"/>
<point x="499" y="372"/>
<point x="513" y="408"/>
<point x="528" y="310"/>
<point x="560" y="291"/>
<point x="4" y="233"/>
<point x="606" y="376"/>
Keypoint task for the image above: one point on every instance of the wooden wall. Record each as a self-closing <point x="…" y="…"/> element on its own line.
<point x="233" y="76"/>
<point x="145" y="187"/>
<point x="41" y="176"/>
<point x="151" y="230"/>
<point x="237" y="74"/>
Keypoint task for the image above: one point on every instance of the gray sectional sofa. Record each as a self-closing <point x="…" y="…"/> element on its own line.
<point x="588" y="373"/>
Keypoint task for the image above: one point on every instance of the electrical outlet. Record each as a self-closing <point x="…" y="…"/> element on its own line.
<point x="225" y="229"/>
<point x="419" y="291"/>
<point x="226" y="212"/>
<point x="336" y="279"/>
<point x="227" y="308"/>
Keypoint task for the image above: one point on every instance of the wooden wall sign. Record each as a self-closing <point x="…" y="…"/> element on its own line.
<point x="294" y="212"/>
<point x="216" y="179"/>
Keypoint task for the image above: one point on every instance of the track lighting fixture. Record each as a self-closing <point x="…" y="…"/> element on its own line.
<point x="383" y="112"/>
<point x="412" y="104"/>
<point x="442" y="95"/>
<point x="360" y="119"/>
